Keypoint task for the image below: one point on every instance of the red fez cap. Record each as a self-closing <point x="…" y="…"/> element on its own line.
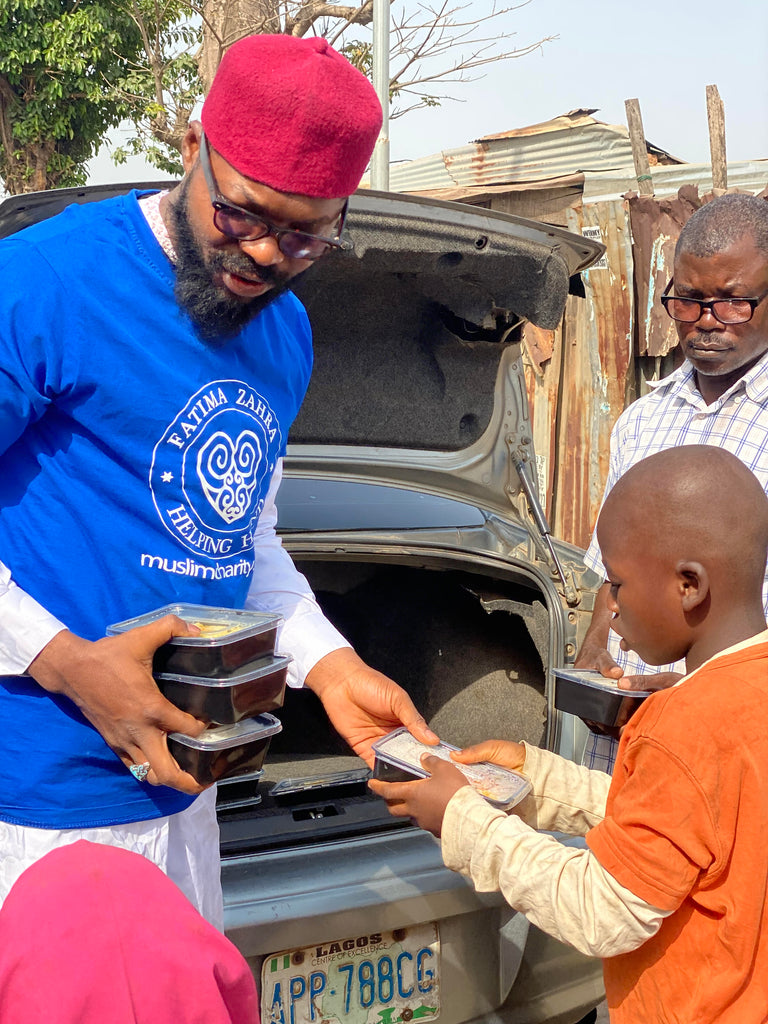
<point x="293" y="114"/>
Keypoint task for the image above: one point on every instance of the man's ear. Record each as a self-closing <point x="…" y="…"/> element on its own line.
<point x="190" y="145"/>
<point x="693" y="581"/>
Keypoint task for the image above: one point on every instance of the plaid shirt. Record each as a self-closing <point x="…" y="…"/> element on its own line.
<point x="673" y="414"/>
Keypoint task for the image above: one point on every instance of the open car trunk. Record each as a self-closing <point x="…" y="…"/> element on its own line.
<point x="418" y="389"/>
<point x="469" y="650"/>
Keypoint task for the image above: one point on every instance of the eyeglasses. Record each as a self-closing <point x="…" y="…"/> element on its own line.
<point x="245" y="226"/>
<point x="725" y="311"/>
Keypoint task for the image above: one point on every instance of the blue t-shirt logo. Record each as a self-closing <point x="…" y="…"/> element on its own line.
<point x="211" y="468"/>
<point x="227" y="472"/>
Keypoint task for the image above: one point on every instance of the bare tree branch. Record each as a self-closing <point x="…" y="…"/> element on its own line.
<point x="445" y="43"/>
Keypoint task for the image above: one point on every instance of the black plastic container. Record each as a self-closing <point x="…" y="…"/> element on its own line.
<point x="239" y="793"/>
<point x="225" y="751"/>
<point x="256" y="688"/>
<point x="231" y="638"/>
<point x="592" y="696"/>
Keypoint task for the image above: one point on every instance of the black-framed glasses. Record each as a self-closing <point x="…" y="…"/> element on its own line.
<point x="246" y="226"/>
<point x="725" y="311"/>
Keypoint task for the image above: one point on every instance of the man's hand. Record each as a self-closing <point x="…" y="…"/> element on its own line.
<point x="363" y="704"/>
<point x="110" y="681"/>
<point x="658" y="681"/>
<point x="594" y="653"/>
<point x="423" y="801"/>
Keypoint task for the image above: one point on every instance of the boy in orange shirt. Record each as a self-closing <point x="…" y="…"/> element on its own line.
<point x="671" y="889"/>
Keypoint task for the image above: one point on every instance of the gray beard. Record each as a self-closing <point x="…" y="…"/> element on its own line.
<point x="216" y="315"/>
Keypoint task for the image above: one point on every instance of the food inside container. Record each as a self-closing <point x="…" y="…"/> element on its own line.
<point x="594" y="697"/>
<point x="257" y="688"/>
<point x="398" y="759"/>
<point x="229" y="639"/>
<point x="225" y="751"/>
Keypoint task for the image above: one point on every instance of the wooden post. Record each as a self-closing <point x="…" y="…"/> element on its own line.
<point x="639" y="150"/>
<point x="716" y="122"/>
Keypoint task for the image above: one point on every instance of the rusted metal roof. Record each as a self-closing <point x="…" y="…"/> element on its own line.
<point x="480" y="193"/>
<point x="566" y="145"/>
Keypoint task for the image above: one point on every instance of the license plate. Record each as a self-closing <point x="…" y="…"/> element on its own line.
<point x="378" y="978"/>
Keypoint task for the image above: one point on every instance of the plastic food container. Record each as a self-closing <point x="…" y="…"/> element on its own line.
<point x="225" y="751"/>
<point x="398" y="759"/>
<point x="239" y="793"/>
<point x="330" y="784"/>
<point x="259" y="687"/>
<point x="590" y="695"/>
<point x="230" y="638"/>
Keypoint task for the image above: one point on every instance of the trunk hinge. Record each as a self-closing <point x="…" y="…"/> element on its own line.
<point x="570" y="590"/>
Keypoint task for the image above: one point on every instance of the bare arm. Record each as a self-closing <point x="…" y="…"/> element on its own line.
<point x="594" y="651"/>
<point x="363" y="704"/>
<point x="110" y="681"/>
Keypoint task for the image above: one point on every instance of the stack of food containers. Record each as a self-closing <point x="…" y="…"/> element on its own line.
<point x="228" y="676"/>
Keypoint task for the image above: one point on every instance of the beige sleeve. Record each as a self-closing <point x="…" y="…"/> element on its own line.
<point x="566" y="797"/>
<point x="563" y="890"/>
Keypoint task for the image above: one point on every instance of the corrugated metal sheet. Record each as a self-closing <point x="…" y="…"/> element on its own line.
<point x="518" y="158"/>
<point x="748" y="175"/>
<point x="656" y="224"/>
<point x="576" y="119"/>
<point x="481" y="193"/>
<point x="566" y="145"/>
<point x="578" y="377"/>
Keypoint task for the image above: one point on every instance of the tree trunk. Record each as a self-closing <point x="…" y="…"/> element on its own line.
<point x="226" y="21"/>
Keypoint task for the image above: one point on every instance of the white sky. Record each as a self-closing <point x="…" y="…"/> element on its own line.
<point x="662" y="52"/>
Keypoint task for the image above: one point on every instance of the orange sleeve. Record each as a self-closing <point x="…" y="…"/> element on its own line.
<point x="658" y="835"/>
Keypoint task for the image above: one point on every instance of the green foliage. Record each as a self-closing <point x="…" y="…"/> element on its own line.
<point x="159" y="91"/>
<point x="360" y="54"/>
<point x="165" y="158"/>
<point x="58" y="61"/>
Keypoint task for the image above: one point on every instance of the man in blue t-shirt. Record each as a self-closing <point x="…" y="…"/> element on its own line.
<point x="152" y="361"/>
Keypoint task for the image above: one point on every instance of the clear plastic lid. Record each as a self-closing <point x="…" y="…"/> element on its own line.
<point x="218" y="625"/>
<point x="265" y="667"/>
<point x="595" y="681"/>
<point x="240" y="780"/>
<point x="220" y="737"/>
<point x="323" y="780"/>
<point x="498" y="785"/>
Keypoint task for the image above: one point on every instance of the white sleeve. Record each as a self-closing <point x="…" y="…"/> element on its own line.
<point x="278" y="586"/>
<point x="25" y="626"/>
<point x="563" y="890"/>
<point x="566" y="797"/>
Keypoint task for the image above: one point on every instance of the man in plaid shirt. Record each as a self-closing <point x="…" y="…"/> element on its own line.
<point x="719" y="396"/>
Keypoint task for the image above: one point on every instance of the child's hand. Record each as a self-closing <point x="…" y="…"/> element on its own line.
<point x="426" y="799"/>
<point x="501" y="752"/>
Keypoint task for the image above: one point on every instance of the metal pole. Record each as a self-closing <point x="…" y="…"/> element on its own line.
<point x="380" y="158"/>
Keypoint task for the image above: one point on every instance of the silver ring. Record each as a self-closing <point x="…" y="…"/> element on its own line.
<point x="139" y="771"/>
